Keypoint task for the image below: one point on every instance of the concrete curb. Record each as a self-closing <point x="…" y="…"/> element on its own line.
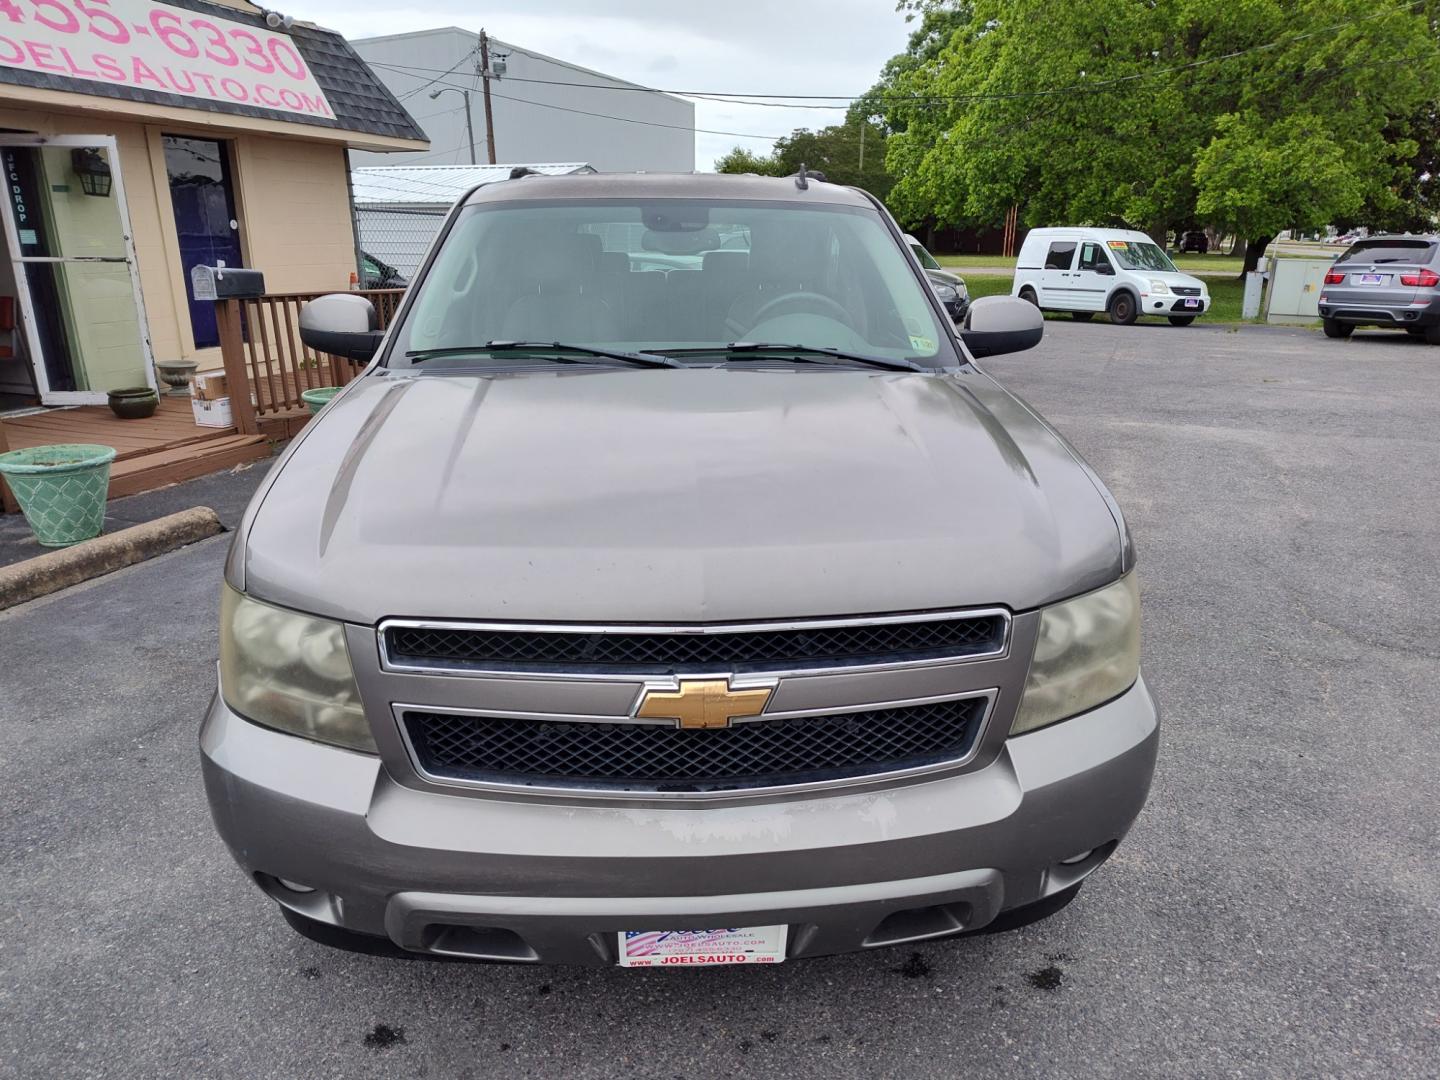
<point x="55" y="570"/>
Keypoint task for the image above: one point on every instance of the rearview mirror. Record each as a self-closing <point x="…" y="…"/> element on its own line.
<point x="1002" y="324"/>
<point x="341" y="324"/>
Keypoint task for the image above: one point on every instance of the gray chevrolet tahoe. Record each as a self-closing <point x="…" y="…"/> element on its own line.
<point x="724" y="612"/>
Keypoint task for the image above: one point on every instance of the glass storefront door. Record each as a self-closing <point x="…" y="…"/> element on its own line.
<point x="68" y="238"/>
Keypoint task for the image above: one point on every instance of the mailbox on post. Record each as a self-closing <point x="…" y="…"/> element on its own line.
<point x="225" y="282"/>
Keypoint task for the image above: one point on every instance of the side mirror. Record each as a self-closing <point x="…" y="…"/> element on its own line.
<point x="1106" y="269"/>
<point x="342" y="325"/>
<point x="1002" y="324"/>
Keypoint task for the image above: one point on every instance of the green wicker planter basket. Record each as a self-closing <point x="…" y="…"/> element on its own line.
<point x="61" y="488"/>
<point x="319" y="397"/>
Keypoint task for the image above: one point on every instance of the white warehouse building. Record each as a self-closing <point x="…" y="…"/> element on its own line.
<point x="544" y="109"/>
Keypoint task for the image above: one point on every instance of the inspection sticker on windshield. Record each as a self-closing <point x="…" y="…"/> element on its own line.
<point x="1119" y="245"/>
<point x="702" y="948"/>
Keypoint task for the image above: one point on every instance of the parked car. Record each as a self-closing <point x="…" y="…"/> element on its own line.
<point x="950" y="288"/>
<point x="605" y="604"/>
<point x="1391" y="281"/>
<point x="375" y="274"/>
<point x="1195" y="242"/>
<point x="1123" y="273"/>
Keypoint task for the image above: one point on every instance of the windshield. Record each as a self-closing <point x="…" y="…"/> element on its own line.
<point x="1144" y="256"/>
<point x="1389" y="251"/>
<point x="663" y="274"/>
<point x="926" y="259"/>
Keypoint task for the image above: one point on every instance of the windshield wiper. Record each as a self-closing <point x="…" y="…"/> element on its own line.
<point x="582" y="353"/>
<point x="811" y="354"/>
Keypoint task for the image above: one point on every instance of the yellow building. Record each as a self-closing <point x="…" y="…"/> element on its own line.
<point x="139" y="139"/>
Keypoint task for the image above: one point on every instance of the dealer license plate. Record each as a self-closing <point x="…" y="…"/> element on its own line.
<point x="1369" y="279"/>
<point x="1192" y="303"/>
<point x="702" y="948"/>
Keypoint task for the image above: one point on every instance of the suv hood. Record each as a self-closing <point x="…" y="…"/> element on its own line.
<point x="945" y="277"/>
<point x="674" y="496"/>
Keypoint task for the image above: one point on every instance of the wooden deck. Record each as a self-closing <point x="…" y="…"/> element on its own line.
<point x="159" y="450"/>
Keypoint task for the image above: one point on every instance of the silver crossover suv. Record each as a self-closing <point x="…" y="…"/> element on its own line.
<point x="674" y="589"/>
<point x="1389" y="281"/>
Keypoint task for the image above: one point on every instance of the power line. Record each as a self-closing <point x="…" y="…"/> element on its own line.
<point x="645" y="123"/>
<point x="602" y="116"/>
<point x="425" y="86"/>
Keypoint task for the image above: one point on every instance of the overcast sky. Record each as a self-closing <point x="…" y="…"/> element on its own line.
<point x="747" y="46"/>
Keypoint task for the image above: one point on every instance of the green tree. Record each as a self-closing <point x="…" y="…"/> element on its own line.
<point x="740" y="160"/>
<point x="1253" y="116"/>
<point x="849" y="153"/>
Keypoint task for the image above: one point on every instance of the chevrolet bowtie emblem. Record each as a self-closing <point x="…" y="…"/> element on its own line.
<point x="703" y="703"/>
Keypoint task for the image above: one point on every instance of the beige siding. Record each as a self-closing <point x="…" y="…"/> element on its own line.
<point x="295" y="199"/>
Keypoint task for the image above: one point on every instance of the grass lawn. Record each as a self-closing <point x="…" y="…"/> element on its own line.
<point x="999" y="262"/>
<point x="1226" y="294"/>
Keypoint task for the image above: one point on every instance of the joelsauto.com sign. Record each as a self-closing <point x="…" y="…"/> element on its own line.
<point x="150" y="46"/>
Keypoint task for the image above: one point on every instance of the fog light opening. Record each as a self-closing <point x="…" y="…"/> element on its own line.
<point x="295" y="886"/>
<point x="1076" y="859"/>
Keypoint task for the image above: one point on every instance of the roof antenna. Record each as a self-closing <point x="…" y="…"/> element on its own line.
<point x="523" y="170"/>
<point x="802" y="180"/>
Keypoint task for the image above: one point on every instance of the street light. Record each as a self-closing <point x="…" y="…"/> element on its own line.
<point x="469" y="128"/>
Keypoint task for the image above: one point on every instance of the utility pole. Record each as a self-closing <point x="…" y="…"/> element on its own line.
<point x="489" y="115"/>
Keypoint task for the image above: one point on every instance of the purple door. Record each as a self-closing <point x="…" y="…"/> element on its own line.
<point x="204" y="201"/>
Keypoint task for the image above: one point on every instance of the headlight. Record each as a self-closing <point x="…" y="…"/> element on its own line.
<point x="1087" y="652"/>
<point x="290" y="672"/>
<point x="946" y="293"/>
<point x="1158" y="287"/>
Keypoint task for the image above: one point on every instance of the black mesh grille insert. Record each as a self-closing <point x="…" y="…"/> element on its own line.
<point x="590" y="651"/>
<point x="652" y="757"/>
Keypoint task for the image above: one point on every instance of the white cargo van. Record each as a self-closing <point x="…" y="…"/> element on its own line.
<point x="1118" y="271"/>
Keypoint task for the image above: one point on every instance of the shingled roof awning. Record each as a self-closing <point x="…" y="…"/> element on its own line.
<point x="358" y="101"/>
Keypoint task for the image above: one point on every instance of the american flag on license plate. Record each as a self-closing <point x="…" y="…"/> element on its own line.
<point x="649" y="942"/>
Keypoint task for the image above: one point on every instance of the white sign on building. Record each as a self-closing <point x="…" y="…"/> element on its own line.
<point x="149" y="46"/>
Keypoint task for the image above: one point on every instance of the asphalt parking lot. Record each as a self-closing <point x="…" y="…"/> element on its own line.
<point x="1275" y="911"/>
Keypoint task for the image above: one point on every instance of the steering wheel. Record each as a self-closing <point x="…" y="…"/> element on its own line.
<point x="820" y="300"/>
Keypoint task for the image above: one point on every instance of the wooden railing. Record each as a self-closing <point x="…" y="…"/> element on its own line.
<point x="266" y="365"/>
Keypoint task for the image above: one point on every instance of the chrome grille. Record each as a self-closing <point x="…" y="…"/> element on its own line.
<point x="658" y="758"/>
<point x="592" y="652"/>
<point x="1185" y="290"/>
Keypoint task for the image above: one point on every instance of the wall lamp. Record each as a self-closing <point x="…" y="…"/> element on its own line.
<point x="93" y="170"/>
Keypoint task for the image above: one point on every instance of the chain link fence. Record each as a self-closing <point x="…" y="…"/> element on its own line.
<point x="394" y="240"/>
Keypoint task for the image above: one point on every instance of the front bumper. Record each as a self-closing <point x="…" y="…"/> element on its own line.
<point x="957" y="309"/>
<point x="551" y="882"/>
<point x="1166" y="304"/>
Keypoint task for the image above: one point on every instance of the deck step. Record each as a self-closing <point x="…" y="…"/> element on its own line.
<point x="159" y="468"/>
